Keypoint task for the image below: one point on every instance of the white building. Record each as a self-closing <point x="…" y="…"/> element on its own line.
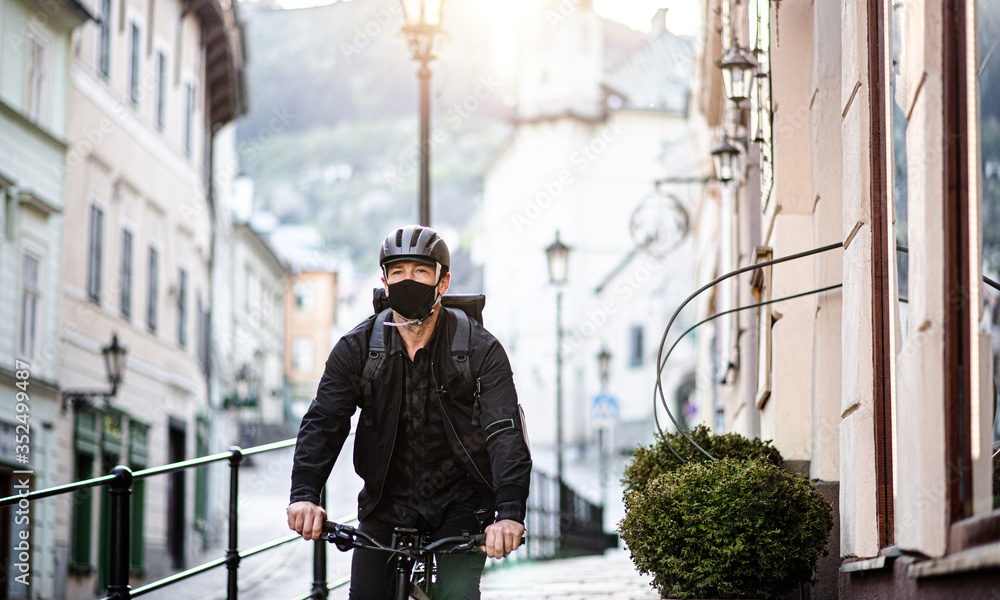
<point x="590" y="143"/>
<point x="259" y="280"/>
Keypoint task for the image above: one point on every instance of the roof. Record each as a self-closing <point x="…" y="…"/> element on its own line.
<point x="224" y="57"/>
<point x="657" y="77"/>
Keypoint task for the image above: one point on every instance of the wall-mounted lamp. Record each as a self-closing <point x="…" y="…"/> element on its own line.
<point x="724" y="157"/>
<point x="114" y="367"/>
<point x="737" y="74"/>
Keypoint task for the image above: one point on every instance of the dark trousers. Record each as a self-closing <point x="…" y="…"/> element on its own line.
<point x="373" y="573"/>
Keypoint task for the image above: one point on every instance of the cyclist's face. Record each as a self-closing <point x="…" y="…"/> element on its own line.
<point x="408" y="269"/>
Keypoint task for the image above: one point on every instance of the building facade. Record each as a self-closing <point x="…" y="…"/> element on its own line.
<point x="151" y="85"/>
<point x="310" y="318"/>
<point x="35" y="63"/>
<point x="259" y="281"/>
<point x="861" y="144"/>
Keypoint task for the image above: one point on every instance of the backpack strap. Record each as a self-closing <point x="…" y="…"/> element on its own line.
<point x="376" y="353"/>
<point x="460" y="345"/>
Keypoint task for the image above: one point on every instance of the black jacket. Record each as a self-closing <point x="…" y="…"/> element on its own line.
<point x="502" y="462"/>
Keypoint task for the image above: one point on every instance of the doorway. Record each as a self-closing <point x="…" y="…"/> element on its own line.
<point x="176" y="493"/>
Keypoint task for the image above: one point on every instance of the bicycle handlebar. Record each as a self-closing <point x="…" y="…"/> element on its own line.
<point x="346" y="537"/>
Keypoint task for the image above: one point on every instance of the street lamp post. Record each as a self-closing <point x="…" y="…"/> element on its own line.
<point x="558" y="259"/>
<point x="422" y="26"/>
<point x="604" y="369"/>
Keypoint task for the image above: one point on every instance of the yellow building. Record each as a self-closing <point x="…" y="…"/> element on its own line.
<point x="310" y="316"/>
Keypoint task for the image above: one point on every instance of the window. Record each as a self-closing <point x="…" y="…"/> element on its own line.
<point x="302" y="354"/>
<point x="248" y="288"/>
<point x="95" y="254"/>
<point x="126" y="274"/>
<point x="188" y="117"/>
<point x="304" y="296"/>
<point x="83" y="508"/>
<point x="134" y="67"/>
<point x="9" y="214"/>
<point x="104" y="39"/>
<point x="161" y="89"/>
<point x="85" y="442"/>
<point x="203" y="335"/>
<point x="988" y="25"/>
<point x="201" y="479"/>
<point x="30" y="304"/>
<point x="138" y="449"/>
<point x="635" y="350"/>
<point x="37" y="77"/>
<point x="182" y="307"/>
<point x="152" y="288"/>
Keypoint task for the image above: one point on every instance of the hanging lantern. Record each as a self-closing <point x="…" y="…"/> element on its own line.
<point x="737" y="74"/>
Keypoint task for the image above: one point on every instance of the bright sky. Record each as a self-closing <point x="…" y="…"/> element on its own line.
<point x="683" y="16"/>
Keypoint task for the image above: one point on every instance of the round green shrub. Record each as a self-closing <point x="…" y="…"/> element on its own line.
<point x="650" y="461"/>
<point x="727" y="528"/>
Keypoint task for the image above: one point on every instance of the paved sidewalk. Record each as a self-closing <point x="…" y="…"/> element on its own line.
<point x="610" y="576"/>
<point x="286" y="572"/>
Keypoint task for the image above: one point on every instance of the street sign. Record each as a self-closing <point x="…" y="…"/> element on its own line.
<point x="604" y="410"/>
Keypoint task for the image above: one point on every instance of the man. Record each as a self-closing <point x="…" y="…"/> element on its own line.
<point x="437" y="451"/>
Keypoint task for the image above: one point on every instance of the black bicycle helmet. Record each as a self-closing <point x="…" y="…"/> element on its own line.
<point x="415" y="242"/>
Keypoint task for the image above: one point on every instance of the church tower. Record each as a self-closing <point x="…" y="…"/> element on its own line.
<point x="561" y="62"/>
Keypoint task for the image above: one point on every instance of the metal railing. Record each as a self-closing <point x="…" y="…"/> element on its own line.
<point x="119" y="484"/>
<point x="560" y="523"/>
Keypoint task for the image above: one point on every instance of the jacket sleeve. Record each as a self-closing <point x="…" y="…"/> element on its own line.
<point x="326" y="424"/>
<point x="510" y="459"/>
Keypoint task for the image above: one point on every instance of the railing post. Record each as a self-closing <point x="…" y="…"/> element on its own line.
<point x="319" y="591"/>
<point x="120" y="490"/>
<point x="233" y="553"/>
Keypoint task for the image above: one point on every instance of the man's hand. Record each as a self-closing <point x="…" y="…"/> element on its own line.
<point x="502" y="538"/>
<point x="306" y="518"/>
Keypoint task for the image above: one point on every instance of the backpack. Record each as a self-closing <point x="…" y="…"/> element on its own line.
<point x="465" y="307"/>
<point x="468" y="306"/>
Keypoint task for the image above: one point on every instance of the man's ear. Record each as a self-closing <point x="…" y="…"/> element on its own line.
<point x="385" y="286"/>
<point x="445" y="282"/>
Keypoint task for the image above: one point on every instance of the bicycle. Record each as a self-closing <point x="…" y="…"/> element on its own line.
<point x="415" y="568"/>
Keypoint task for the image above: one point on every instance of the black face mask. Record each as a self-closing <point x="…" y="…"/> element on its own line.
<point x="412" y="299"/>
